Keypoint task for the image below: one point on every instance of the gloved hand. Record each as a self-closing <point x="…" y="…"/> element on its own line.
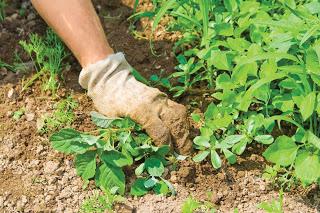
<point x="116" y="93"/>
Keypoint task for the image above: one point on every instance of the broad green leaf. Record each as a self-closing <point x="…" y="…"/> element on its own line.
<point x="69" y="141"/>
<point x="224" y="82"/>
<point x="239" y="147"/>
<point x="268" y="68"/>
<point x="211" y="111"/>
<point x="161" y="188"/>
<point x="313" y="139"/>
<point x="264" y="139"/>
<point x="262" y="93"/>
<point x="201" y="156"/>
<point x="247" y="97"/>
<point x="283" y="102"/>
<point x="308" y="105"/>
<point x="101" y="120"/>
<point x="138" y="171"/>
<point x="138" y="188"/>
<point x="171" y="188"/>
<point x="89" y="139"/>
<point x="196" y="117"/>
<point x="215" y="159"/>
<point x="219" y="123"/>
<point x="307" y="167"/>
<point x="219" y="60"/>
<point x="202" y="141"/>
<point x="231" y="5"/>
<point x="312" y="61"/>
<point x="190" y="205"/>
<point x="116" y="158"/>
<point x="154" y="166"/>
<point x="108" y="177"/>
<point x="232" y="158"/>
<point x="224" y="29"/>
<point x="86" y="164"/>
<point x="238" y="44"/>
<point x="240" y="75"/>
<point x="163" y="150"/>
<point x="150" y="183"/>
<point x="282" y="152"/>
<point x="232" y="139"/>
<point x="300" y="136"/>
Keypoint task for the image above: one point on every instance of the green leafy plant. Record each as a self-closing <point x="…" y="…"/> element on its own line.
<point x="154" y="80"/>
<point x="275" y="206"/>
<point x="255" y="58"/>
<point x="3" y="5"/>
<point x="191" y="205"/>
<point x="47" y="53"/>
<point x="62" y="116"/>
<point x="116" y="144"/>
<point x="100" y="203"/>
<point x="222" y="131"/>
<point x="18" y="114"/>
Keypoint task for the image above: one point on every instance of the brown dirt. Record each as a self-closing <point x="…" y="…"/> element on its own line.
<point x="34" y="178"/>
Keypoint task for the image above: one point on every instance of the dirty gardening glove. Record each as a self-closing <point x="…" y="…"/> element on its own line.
<point x="116" y="93"/>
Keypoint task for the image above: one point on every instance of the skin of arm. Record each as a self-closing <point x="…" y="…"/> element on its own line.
<point x="78" y="25"/>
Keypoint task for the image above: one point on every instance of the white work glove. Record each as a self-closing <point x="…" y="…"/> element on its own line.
<point x="116" y="93"/>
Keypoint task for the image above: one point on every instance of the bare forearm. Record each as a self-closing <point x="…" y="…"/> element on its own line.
<point x="77" y="23"/>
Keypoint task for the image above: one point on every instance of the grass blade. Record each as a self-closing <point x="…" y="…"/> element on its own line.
<point x="204" y="8"/>
<point x="166" y="6"/>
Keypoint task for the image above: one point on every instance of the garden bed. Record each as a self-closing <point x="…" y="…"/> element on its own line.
<point x="34" y="177"/>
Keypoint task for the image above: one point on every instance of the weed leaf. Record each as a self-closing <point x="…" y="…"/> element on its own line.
<point x="108" y="176"/>
<point x="69" y="141"/>
<point x="115" y="158"/>
<point x="101" y="120"/>
<point x="86" y="164"/>
<point x="154" y="166"/>
<point x="282" y="152"/>
<point x="307" y="167"/>
<point x="138" y="188"/>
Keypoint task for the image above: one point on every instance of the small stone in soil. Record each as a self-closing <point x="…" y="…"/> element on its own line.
<point x="50" y="167"/>
<point x="30" y="116"/>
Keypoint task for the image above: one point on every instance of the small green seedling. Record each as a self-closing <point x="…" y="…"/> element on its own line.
<point x="47" y="53"/>
<point x="100" y="203"/>
<point x="275" y="206"/>
<point x="191" y="205"/>
<point x="219" y="134"/>
<point x="3" y="5"/>
<point x="62" y="116"/>
<point x="103" y="153"/>
<point x="18" y="114"/>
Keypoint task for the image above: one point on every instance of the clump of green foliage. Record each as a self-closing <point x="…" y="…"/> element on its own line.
<point x="262" y="60"/>
<point x="275" y="206"/>
<point x="100" y="203"/>
<point x="62" y="116"/>
<point x="3" y="5"/>
<point x="117" y="143"/>
<point x="191" y="205"/>
<point x="18" y="114"/>
<point x="47" y="53"/>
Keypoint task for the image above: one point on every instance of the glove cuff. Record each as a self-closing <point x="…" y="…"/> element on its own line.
<point x="105" y="68"/>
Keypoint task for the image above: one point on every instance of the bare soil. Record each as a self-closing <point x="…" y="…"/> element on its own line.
<point x="35" y="178"/>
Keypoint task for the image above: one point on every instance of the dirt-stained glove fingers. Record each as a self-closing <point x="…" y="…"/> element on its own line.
<point x="158" y="131"/>
<point x="174" y="116"/>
